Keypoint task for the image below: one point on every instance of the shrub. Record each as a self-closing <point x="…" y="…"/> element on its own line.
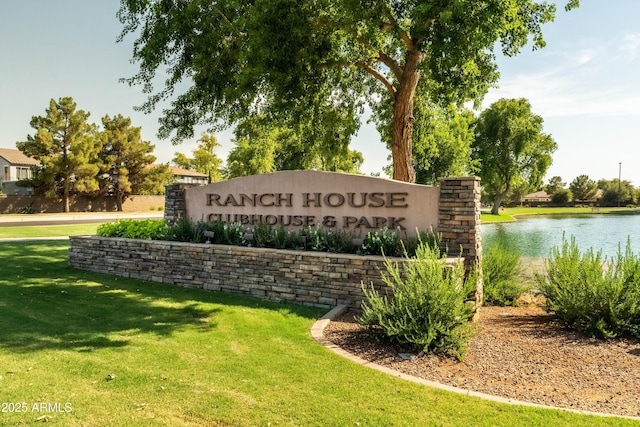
<point x="233" y="234"/>
<point x="339" y="241"/>
<point x="562" y="197"/>
<point x="263" y="235"/>
<point x="598" y="297"/>
<point x="429" y="238"/>
<point x="183" y="231"/>
<point x="427" y="310"/>
<point x="281" y="238"/>
<point x="315" y="238"/>
<point x="500" y="270"/>
<point x="384" y="242"/>
<point x="320" y="239"/>
<point x="147" y="229"/>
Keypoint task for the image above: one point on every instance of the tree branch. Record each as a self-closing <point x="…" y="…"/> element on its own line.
<point x="404" y="35"/>
<point x="391" y="63"/>
<point x="379" y="76"/>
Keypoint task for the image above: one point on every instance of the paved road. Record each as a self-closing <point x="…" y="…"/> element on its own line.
<point x="72" y="218"/>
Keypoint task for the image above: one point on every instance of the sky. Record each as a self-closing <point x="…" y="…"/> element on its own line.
<point x="585" y="83"/>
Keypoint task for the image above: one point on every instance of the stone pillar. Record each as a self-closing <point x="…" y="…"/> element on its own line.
<point x="459" y="222"/>
<point x="174" y="202"/>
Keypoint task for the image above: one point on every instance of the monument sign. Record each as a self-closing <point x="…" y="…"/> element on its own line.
<point x="294" y="199"/>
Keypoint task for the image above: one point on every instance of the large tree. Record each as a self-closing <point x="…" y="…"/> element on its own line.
<point x="616" y="192"/>
<point x="127" y="161"/>
<point x="204" y="159"/>
<point x="290" y="58"/>
<point x="442" y="143"/>
<point x="555" y="184"/>
<point x="66" y="146"/>
<point x="261" y="147"/>
<point x="583" y="188"/>
<point x="511" y="148"/>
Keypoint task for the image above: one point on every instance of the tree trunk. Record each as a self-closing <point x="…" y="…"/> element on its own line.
<point x="119" y="198"/>
<point x="495" y="210"/>
<point x="65" y="200"/>
<point x="402" y="131"/>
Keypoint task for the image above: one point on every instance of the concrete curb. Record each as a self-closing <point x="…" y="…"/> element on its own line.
<point x="317" y="332"/>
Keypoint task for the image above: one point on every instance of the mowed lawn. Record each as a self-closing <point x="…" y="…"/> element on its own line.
<point x="82" y="349"/>
<point x="510" y="214"/>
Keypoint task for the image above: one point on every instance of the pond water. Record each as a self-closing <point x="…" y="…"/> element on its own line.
<point x="535" y="236"/>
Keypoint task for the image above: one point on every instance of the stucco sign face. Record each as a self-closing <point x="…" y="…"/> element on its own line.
<point x="295" y="199"/>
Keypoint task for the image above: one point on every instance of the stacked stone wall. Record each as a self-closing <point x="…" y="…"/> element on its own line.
<point x="459" y="223"/>
<point x="309" y="278"/>
<point x="174" y="203"/>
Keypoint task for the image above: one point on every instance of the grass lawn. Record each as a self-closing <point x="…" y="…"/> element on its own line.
<point x="510" y="214"/>
<point x="48" y="230"/>
<point x="120" y="352"/>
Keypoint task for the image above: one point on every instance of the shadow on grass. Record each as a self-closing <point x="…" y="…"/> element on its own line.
<point x="45" y="304"/>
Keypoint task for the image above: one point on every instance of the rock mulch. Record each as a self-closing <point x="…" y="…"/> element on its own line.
<point x="520" y="353"/>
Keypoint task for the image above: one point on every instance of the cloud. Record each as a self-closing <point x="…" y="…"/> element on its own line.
<point x="591" y="81"/>
<point x="630" y="45"/>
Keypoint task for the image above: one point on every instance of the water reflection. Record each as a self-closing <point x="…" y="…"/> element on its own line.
<point x="535" y="236"/>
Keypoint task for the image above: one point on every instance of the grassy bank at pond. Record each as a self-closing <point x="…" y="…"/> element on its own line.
<point x="510" y="214"/>
<point x="121" y="352"/>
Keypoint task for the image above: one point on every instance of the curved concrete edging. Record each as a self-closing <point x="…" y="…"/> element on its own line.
<point x="317" y="332"/>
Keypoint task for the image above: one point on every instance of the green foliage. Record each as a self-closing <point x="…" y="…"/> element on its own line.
<point x="77" y="158"/>
<point x="594" y="295"/>
<point x="500" y="270"/>
<point x="125" y="156"/>
<point x="427" y="309"/>
<point x="617" y="193"/>
<point x="317" y="238"/>
<point x="319" y="144"/>
<point x="147" y="229"/>
<point x="66" y="146"/>
<point x="583" y="188"/>
<point x="281" y="238"/>
<point x="555" y="184"/>
<point x="389" y="243"/>
<point x="263" y="235"/>
<point x="511" y="148"/>
<point x="561" y="197"/>
<point x="304" y="62"/>
<point x="204" y="159"/>
<point x="183" y="231"/>
<point x="384" y="242"/>
<point x="233" y="234"/>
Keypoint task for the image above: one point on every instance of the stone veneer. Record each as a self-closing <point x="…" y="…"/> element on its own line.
<point x="309" y="278"/>
<point x="315" y="279"/>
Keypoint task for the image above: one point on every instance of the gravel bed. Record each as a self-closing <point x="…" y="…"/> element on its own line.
<point x="520" y="353"/>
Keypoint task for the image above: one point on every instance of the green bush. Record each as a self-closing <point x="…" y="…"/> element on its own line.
<point x="427" y="310"/>
<point x="147" y="229"/>
<point x="384" y="242"/>
<point x="184" y="230"/>
<point x="596" y="296"/>
<point x="282" y="238"/>
<point x="500" y="270"/>
<point x="562" y="197"/>
<point x="233" y="234"/>
<point x="316" y="238"/>
<point x="263" y="236"/>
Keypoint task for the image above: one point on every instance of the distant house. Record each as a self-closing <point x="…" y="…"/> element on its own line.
<point x="15" y="166"/>
<point x="536" y="198"/>
<point x="185" y="176"/>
